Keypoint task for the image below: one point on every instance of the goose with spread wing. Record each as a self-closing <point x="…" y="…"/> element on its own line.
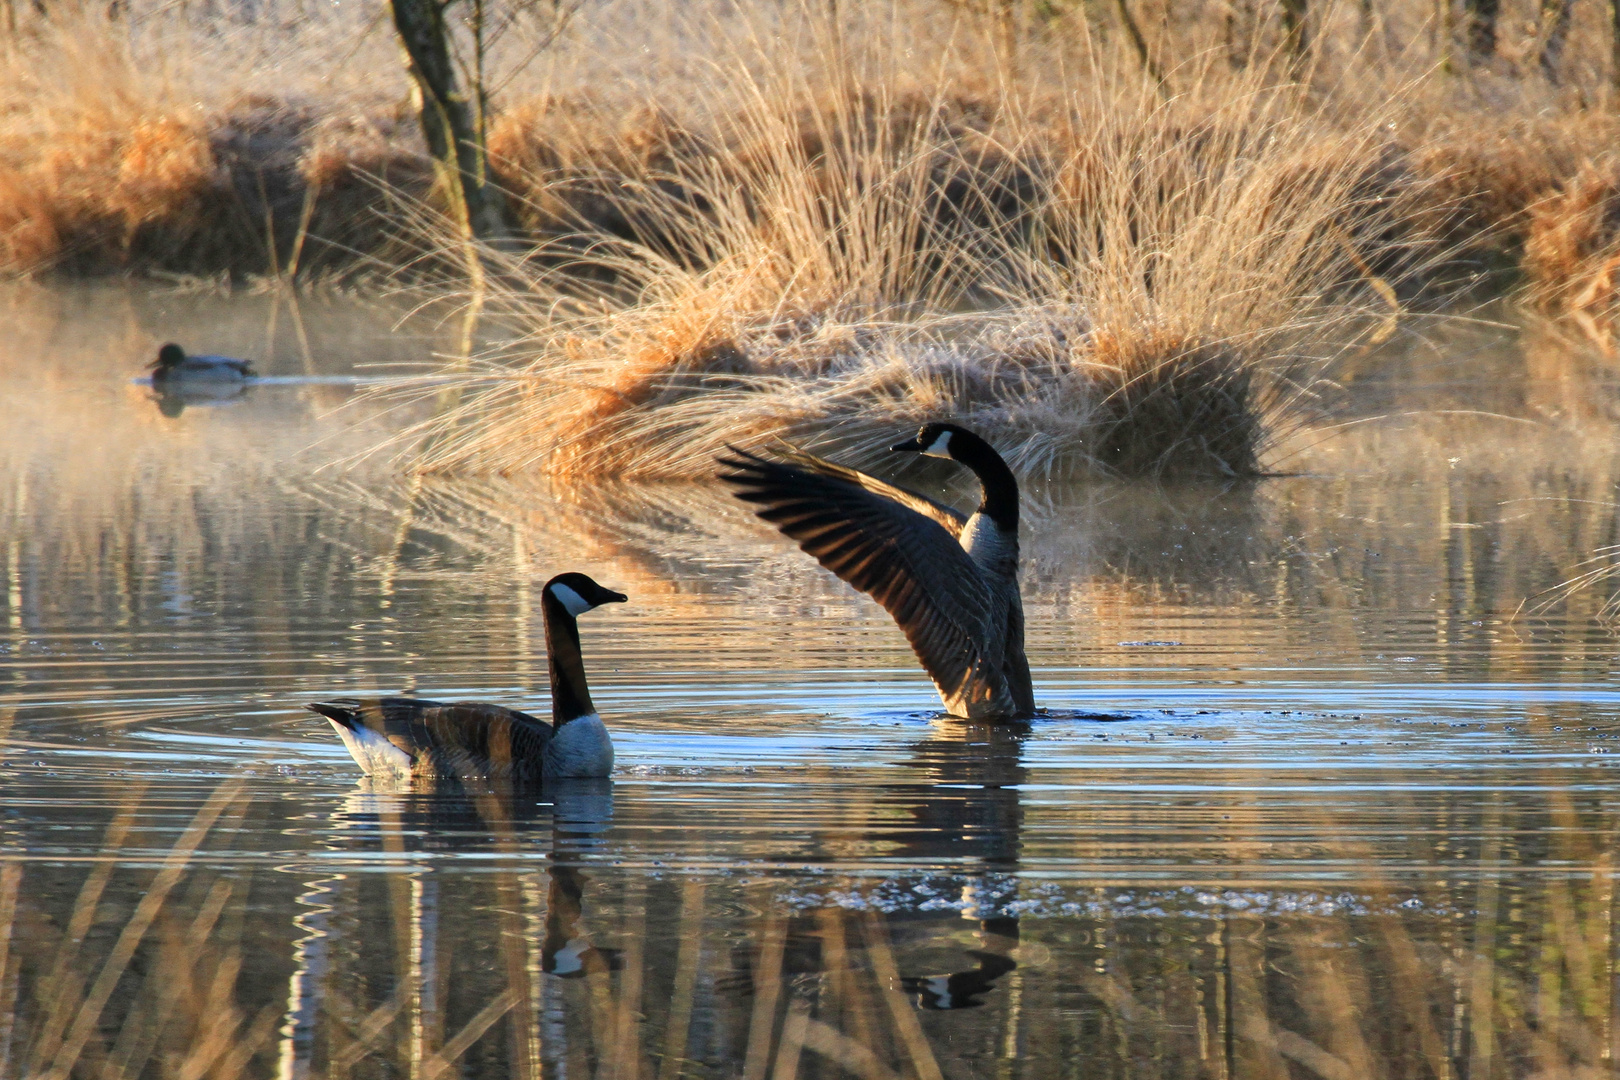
<point x="411" y="738"/>
<point x="949" y="579"/>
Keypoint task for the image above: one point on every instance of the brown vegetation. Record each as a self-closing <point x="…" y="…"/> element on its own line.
<point x="743" y="221"/>
<point x="1101" y="281"/>
<point x="125" y="149"/>
<point x="1572" y="250"/>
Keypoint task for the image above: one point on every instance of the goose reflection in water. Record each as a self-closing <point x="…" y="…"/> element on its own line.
<point x="965" y="814"/>
<point x="977" y="771"/>
<point x="420" y="827"/>
<point x="544" y="912"/>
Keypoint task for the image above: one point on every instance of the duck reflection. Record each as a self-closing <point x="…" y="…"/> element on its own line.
<point x="172" y="398"/>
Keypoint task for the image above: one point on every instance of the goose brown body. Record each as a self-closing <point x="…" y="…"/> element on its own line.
<point x="949" y="579"/>
<point x="415" y="738"/>
<point x="436" y="738"/>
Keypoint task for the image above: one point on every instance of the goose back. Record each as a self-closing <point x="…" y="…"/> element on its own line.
<point x="440" y="739"/>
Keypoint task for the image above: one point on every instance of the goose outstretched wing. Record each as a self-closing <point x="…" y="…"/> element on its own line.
<point x="950" y="519"/>
<point x="900" y="554"/>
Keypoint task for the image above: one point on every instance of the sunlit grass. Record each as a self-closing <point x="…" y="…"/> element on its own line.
<point x="842" y="263"/>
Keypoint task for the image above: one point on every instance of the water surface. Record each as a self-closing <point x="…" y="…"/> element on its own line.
<point x="1325" y="785"/>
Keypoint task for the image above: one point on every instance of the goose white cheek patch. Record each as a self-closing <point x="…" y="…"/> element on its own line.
<point x="572" y="602"/>
<point x="940" y="447"/>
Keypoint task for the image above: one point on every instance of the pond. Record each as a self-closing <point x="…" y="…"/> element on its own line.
<point x="1326" y="784"/>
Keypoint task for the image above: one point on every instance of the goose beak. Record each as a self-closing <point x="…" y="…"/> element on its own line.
<point x="910" y="444"/>
<point x="615" y="597"/>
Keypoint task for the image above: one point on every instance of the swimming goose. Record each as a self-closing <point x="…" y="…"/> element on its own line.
<point x="949" y="579"/>
<point x="173" y="365"/>
<point x="405" y="738"/>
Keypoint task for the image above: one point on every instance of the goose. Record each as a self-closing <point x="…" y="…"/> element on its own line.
<point x="950" y="580"/>
<point x="959" y="989"/>
<point x="410" y="738"/>
<point x="173" y="365"/>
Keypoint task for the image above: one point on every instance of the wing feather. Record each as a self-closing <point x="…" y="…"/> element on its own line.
<point x="949" y="518"/>
<point x="902" y="555"/>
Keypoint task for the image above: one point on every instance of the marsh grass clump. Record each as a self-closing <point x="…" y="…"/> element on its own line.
<point x="150" y="141"/>
<point x="1101" y="281"/>
<point x="1170" y="405"/>
<point x="1572" y="250"/>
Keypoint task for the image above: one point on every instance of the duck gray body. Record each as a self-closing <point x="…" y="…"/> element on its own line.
<point x="414" y="738"/>
<point x="949" y="579"/>
<point x="174" y="365"/>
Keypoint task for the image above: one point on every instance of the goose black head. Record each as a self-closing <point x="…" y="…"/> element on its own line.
<point x="961" y="445"/>
<point x="579" y="594"/>
<point x="939" y="440"/>
<point x="169" y="357"/>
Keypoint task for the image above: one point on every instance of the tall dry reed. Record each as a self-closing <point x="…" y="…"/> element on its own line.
<point x="844" y="258"/>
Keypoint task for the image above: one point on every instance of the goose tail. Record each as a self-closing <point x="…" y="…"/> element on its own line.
<point x="345" y="714"/>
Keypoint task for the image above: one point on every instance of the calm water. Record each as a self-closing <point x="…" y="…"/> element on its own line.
<point x="1327" y="785"/>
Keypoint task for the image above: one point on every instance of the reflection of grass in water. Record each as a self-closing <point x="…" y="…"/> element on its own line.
<point x="1350" y="553"/>
<point x="1485" y="966"/>
<point x="81" y="1013"/>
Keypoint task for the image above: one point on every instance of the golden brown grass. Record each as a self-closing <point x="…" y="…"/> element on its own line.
<point x="1572" y="250"/>
<point x="163" y="143"/>
<point x="749" y="220"/>
<point x="842" y="259"/>
<point x="161" y="139"/>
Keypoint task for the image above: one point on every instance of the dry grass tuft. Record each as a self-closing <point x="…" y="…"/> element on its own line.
<point x="105" y="180"/>
<point x="1173" y="405"/>
<point x="147" y="140"/>
<point x="839" y="264"/>
<point x="1572" y="250"/>
<point x="1102" y="281"/>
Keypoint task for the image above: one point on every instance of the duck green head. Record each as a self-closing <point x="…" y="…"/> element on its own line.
<point x="169" y="357"/>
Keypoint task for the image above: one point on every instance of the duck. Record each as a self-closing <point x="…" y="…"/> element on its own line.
<point x="410" y="739"/>
<point x="173" y="365"/>
<point x="949" y="579"/>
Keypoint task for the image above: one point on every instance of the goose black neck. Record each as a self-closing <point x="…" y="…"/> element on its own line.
<point x="1000" y="502"/>
<point x="570" y="697"/>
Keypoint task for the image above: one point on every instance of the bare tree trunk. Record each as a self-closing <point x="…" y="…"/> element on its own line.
<point x="1241" y="22"/>
<point x="1554" y="35"/>
<point x="1482" y="16"/>
<point x="1443" y="34"/>
<point x="1238" y="58"/>
<point x="1140" y="43"/>
<point x="1295" y="33"/>
<point x="1614" y="43"/>
<point x="454" y="131"/>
